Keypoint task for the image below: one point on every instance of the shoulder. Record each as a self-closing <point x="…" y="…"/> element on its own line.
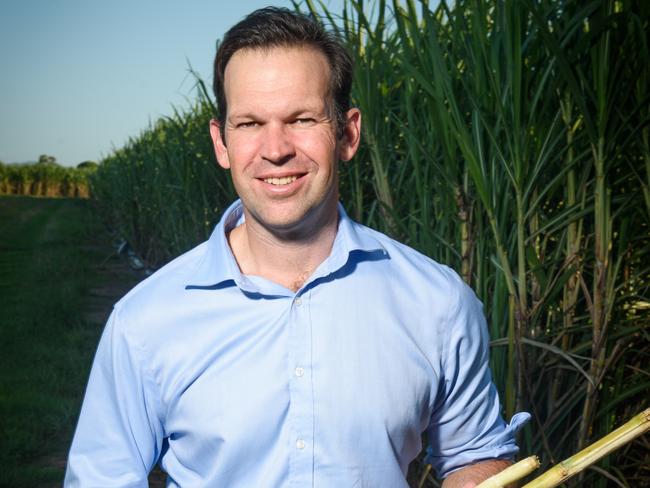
<point x="171" y="278"/>
<point x="414" y="268"/>
<point x="426" y="290"/>
<point x="157" y="296"/>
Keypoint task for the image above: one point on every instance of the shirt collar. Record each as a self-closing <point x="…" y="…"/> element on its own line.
<point x="218" y="267"/>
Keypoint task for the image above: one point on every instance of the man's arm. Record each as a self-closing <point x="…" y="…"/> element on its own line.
<point x="118" y="436"/>
<point x="466" y="427"/>
<point x="470" y="476"/>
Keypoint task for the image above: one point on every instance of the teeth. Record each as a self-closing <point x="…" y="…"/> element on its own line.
<point x="281" y="181"/>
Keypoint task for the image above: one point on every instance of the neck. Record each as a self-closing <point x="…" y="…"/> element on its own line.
<point x="288" y="259"/>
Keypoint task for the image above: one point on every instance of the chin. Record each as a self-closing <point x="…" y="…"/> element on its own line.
<point x="288" y="225"/>
<point x="283" y="224"/>
<point x="294" y="220"/>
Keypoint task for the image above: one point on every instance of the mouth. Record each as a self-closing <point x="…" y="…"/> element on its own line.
<point x="280" y="183"/>
<point x="285" y="180"/>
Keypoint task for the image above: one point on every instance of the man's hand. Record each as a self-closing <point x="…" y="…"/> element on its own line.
<point x="472" y="475"/>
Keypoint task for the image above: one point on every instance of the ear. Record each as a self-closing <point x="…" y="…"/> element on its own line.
<point x="220" y="150"/>
<point x="349" y="142"/>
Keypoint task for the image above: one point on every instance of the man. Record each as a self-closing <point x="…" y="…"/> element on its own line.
<point x="295" y="347"/>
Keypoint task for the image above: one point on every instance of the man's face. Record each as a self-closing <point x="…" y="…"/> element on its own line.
<point x="281" y="144"/>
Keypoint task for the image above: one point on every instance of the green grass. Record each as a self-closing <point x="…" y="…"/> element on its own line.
<point x="46" y="345"/>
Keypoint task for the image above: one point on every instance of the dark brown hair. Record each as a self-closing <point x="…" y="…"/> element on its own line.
<point x="280" y="27"/>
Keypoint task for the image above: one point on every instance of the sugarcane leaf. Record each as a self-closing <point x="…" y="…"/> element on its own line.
<point x="548" y="347"/>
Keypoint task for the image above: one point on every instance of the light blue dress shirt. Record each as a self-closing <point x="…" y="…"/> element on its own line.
<point x="234" y="381"/>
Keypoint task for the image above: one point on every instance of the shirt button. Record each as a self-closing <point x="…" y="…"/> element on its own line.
<point x="300" y="444"/>
<point x="298" y="301"/>
<point x="299" y="371"/>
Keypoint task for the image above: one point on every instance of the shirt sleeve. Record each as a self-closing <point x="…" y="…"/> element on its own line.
<point x="119" y="433"/>
<point x="466" y="426"/>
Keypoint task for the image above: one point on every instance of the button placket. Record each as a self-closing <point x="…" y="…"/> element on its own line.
<point x="301" y="395"/>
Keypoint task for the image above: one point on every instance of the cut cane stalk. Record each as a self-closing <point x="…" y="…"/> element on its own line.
<point x="589" y="455"/>
<point x="558" y="474"/>
<point x="511" y="473"/>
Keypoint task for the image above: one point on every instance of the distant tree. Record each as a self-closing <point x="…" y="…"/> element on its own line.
<point x="87" y="165"/>
<point x="46" y="159"/>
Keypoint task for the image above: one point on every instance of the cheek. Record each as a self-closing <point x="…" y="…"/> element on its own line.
<point x="319" y="148"/>
<point x="241" y="152"/>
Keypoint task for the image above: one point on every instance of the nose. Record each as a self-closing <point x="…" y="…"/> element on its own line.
<point x="277" y="146"/>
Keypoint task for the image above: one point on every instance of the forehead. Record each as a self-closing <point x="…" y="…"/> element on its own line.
<point x="269" y="76"/>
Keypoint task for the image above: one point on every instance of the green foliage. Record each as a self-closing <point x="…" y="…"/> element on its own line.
<point x="507" y="138"/>
<point x="45" y="178"/>
<point x="87" y="165"/>
<point x="162" y="190"/>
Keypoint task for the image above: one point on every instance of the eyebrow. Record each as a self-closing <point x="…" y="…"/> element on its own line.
<point x="296" y="113"/>
<point x="240" y="116"/>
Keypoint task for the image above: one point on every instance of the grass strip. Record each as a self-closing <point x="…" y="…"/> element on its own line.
<point x="47" y="263"/>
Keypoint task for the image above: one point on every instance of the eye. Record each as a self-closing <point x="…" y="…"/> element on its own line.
<point x="304" y="121"/>
<point x="246" y="125"/>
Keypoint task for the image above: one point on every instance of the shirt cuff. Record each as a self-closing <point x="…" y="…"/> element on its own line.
<point x="501" y="446"/>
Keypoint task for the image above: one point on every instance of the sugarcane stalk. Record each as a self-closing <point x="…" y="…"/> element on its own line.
<point x="465" y="247"/>
<point x="425" y="475"/>
<point x="511" y="473"/>
<point x="558" y="474"/>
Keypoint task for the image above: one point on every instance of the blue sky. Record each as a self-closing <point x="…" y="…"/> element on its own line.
<point x="79" y="77"/>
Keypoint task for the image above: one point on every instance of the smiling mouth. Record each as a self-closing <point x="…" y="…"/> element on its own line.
<point x="280" y="181"/>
